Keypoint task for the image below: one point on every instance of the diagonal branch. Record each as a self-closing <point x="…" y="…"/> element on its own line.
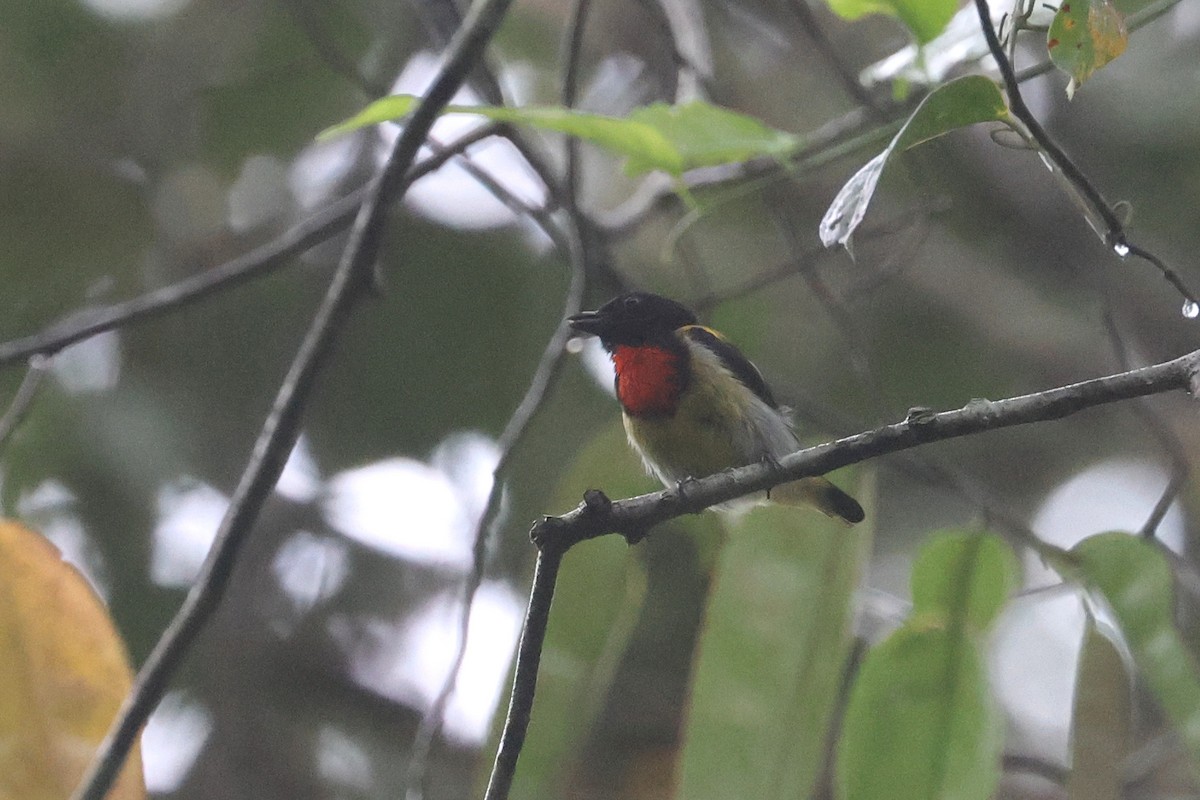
<point x="350" y="282"/>
<point x="317" y="228"/>
<point x="23" y="399"/>
<point x="529" y="656"/>
<point x="633" y="517"/>
<point x="1114" y="231"/>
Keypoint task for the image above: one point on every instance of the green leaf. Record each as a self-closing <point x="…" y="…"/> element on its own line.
<point x="964" y="573"/>
<point x="921" y="724"/>
<point x="1084" y="36"/>
<point x="959" y="103"/>
<point x="771" y="656"/>
<point x="672" y="139"/>
<point x="1101" y="721"/>
<point x="925" y="18"/>
<point x="1135" y="581"/>
<point x="705" y="135"/>
<point x="385" y="109"/>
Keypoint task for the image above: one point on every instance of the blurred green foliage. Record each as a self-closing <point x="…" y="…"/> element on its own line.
<point x="121" y="144"/>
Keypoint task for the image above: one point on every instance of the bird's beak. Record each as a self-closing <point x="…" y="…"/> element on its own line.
<point x="587" y="322"/>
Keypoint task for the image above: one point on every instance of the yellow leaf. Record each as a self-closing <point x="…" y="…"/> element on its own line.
<point x="1084" y="36"/>
<point x="65" y="673"/>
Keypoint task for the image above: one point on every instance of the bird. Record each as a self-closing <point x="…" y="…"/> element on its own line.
<point x="692" y="404"/>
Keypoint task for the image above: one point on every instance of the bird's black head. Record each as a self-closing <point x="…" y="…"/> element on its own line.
<point x="633" y="319"/>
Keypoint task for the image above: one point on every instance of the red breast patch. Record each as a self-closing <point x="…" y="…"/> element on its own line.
<point x="649" y="380"/>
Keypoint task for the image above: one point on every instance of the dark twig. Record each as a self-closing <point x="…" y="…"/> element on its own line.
<point x="1034" y="765"/>
<point x="529" y="657"/>
<point x="442" y="19"/>
<point x="686" y="32"/>
<point x="1155" y="424"/>
<point x="1114" y="234"/>
<point x="22" y="400"/>
<point x="258" y="262"/>
<point x="350" y="282"/>
<point x="1168" y="273"/>
<point x="572" y="59"/>
<point x="1017" y="102"/>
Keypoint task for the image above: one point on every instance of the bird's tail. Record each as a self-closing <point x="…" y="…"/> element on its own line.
<point x="822" y="495"/>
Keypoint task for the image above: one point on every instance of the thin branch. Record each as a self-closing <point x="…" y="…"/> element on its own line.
<point x="1155" y="424"/>
<point x="1056" y="154"/>
<point x="442" y="20"/>
<point x="529" y="657"/>
<point x="1114" y="234"/>
<point x="1035" y="765"/>
<point x="1171" y="275"/>
<point x="23" y="399"/>
<point x="686" y="33"/>
<point x="538" y="213"/>
<point x="258" y="262"/>
<point x="573" y="58"/>
<point x="351" y="281"/>
<point x="634" y="516"/>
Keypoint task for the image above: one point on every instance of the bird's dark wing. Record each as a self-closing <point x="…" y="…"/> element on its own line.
<point x="742" y="368"/>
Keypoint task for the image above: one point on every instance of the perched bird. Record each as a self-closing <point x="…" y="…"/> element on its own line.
<point x="693" y="404"/>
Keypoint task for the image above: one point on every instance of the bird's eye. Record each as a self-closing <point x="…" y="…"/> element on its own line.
<point x="632" y="301"/>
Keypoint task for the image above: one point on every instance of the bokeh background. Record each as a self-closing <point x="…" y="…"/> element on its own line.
<point x="145" y="141"/>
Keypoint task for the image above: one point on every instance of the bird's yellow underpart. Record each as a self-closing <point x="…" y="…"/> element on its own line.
<point x="720" y="423"/>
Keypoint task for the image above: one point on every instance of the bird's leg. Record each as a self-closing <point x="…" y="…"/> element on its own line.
<point x="682" y="486"/>
<point x="771" y="461"/>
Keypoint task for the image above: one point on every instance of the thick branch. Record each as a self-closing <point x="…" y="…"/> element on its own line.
<point x="632" y="517"/>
